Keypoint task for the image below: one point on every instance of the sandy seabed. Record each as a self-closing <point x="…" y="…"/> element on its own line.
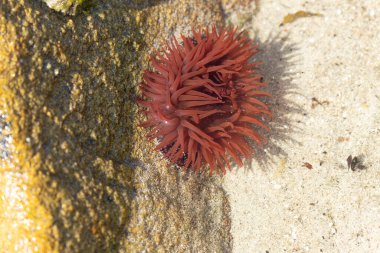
<point x="299" y="194"/>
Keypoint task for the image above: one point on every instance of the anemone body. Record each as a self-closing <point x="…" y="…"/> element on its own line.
<point x="202" y="99"/>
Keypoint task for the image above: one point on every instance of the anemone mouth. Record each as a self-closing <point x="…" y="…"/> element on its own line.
<point x="202" y="99"/>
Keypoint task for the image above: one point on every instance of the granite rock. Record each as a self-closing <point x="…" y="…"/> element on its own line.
<point x="79" y="175"/>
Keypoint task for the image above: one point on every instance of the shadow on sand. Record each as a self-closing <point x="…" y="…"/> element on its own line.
<point x="278" y="59"/>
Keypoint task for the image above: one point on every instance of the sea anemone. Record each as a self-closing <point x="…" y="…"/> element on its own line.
<point x="201" y="99"/>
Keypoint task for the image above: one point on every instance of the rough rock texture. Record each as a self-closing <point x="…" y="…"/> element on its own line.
<point x="78" y="175"/>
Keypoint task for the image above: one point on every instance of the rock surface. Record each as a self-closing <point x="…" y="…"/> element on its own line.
<point x="79" y="175"/>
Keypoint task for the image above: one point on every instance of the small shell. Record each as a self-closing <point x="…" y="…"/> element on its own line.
<point x="65" y="6"/>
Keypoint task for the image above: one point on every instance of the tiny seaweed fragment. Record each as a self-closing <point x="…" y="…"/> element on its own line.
<point x="342" y="139"/>
<point x="307" y="165"/>
<point x="315" y="102"/>
<point x="299" y="14"/>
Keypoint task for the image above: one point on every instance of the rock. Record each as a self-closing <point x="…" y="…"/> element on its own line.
<point x="79" y="175"/>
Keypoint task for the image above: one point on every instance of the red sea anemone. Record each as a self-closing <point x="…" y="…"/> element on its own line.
<point x="201" y="99"/>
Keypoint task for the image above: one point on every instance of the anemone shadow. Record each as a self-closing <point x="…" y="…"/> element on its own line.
<point x="278" y="58"/>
